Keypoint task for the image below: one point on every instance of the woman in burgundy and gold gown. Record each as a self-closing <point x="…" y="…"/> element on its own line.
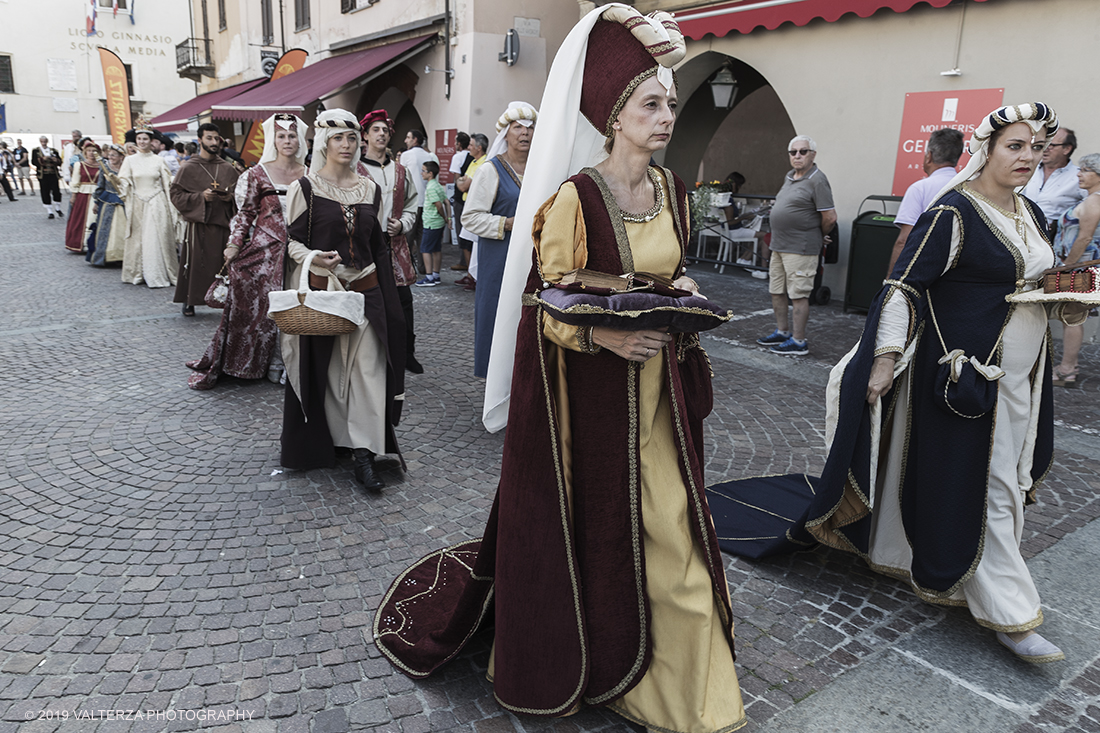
<point x="599" y="559"/>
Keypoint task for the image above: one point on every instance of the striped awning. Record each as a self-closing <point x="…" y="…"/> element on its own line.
<point x="744" y="16"/>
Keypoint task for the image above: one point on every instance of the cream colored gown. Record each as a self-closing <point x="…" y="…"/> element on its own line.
<point x="150" y="253"/>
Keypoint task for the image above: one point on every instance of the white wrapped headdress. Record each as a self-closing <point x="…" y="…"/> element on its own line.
<point x="566" y="142"/>
<point x="328" y="123"/>
<point x="521" y="112"/>
<point x="283" y="121"/>
<point x="1036" y="114"/>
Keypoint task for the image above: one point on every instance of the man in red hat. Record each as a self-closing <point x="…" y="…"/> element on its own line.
<point x="398" y="214"/>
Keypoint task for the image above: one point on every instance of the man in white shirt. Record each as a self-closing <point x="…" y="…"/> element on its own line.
<point x="162" y="146"/>
<point x="70" y="155"/>
<point x="479" y="144"/>
<point x="414" y="156"/>
<point x="1054" y="185"/>
<point x="462" y="154"/>
<point x="945" y="147"/>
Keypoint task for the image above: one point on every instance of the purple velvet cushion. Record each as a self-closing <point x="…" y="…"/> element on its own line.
<point x="635" y="311"/>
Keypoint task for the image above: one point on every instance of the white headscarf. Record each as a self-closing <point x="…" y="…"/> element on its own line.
<point x="521" y="112"/>
<point x="1036" y="114"/>
<point x="566" y="143"/>
<point x="269" y="127"/>
<point x="325" y="126"/>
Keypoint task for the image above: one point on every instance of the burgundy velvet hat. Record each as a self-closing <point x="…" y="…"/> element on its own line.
<point x="624" y="49"/>
<point x="378" y="115"/>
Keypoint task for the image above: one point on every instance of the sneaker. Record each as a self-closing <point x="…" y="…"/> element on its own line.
<point x="760" y="274"/>
<point x="51" y="216"/>
<point x="792" y="347"/>
<point x="774" y="338"/>
<point x="426" y="282"/>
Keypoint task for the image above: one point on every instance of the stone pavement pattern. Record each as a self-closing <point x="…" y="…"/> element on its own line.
<point x="157" y="558"/>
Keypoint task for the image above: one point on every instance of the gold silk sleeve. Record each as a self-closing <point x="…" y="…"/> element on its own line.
<point x="561" y="246"/>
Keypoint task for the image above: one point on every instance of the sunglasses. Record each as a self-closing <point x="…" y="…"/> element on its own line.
<point x="800" y="151"/>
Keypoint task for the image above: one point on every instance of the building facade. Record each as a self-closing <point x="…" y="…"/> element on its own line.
<point x="843" y="72"/>
<point x="460" y="41"/>
<point x="51" y="79"/>
<point x="840" y="71"/>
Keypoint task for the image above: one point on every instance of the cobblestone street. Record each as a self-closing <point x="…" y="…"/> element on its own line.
<point x="157" y="559"/>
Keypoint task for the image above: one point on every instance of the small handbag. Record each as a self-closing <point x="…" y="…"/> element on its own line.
<point x="964" y="386"/>
<point x="218" y="291"/>
<point x="305" y="312"/>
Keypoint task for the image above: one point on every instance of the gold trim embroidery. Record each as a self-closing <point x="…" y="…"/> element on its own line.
<point x="676" y="219"/>
<point x="626" y="257"/>
<point x="588" y="309"/>
<point x="566" y="533"/>
<point x="700" y="499"/>
<point x="658" y="202"/>
<point x="378" y="634"/>
<point x="608" y="131"/>
<point x="634" y="486"/>
<point x="903" y="286"/>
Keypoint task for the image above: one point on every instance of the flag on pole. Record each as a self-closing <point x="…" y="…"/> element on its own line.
<point x="132" y="11"/>
<point x="90" y="20"/>
<point x="114" y="6"/>
<point x="118" y="94"/>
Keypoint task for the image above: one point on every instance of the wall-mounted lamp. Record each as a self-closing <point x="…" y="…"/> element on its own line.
<point x="449" y="72"/>
<point x="511" y="48"/>
<point x="723" y="87"/>
<point x="951" y="72"/>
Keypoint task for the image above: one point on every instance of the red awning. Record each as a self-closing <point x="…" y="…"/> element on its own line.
<point x="294" y="92"/>
<point x="745" y="15"/>
<point x="177" y="118"/>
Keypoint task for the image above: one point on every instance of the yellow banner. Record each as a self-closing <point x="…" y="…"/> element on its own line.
<point x="253" y="148"/>
<point x="118" y="95"/>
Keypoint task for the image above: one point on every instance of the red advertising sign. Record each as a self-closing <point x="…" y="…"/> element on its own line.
<point x="445" y="150"/>
<point x="926" y="112"/>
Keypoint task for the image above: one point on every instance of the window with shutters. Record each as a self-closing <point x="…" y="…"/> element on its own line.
<point x="7" y="81"/>
<point x="268" y="22"/>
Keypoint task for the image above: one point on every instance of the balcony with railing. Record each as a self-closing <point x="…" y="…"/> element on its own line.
<point x="194" y="58"/>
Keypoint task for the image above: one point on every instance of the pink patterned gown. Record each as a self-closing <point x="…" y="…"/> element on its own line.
<point x="246" y="338"/>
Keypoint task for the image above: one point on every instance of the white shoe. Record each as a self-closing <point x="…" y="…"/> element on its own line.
<point x="1033" y="648"/>
<point x="760" y="274"/>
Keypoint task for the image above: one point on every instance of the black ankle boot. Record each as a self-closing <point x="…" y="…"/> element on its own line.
<point x="364" y="471"/>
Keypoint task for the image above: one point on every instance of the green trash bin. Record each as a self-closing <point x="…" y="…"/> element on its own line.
<point x="872" y="243"/>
